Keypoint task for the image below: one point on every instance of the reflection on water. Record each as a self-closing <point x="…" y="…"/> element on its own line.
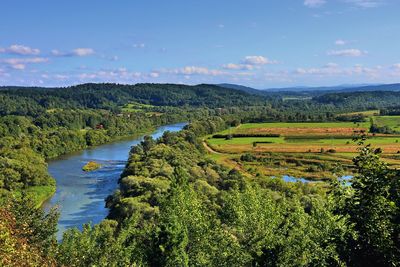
<point x="291" y="179"/>
<point x="80" y="195"/>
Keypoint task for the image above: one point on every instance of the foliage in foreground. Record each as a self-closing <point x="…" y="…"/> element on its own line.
<point x="27" y="235"/>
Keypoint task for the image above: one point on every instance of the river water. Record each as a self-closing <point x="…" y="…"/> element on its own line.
<point x="80" y="195"/>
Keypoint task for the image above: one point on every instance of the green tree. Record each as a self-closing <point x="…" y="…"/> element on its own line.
<point x="372" y="205"/>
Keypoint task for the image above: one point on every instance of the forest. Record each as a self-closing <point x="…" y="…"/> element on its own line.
<point x="177" y="206"/>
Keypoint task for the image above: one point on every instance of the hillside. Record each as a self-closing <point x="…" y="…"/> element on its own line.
<point x="110" y="96"/>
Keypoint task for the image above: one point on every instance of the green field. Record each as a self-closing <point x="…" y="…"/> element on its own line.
<point x="135" y="107"/>
<point x="390" y="121"/>
<point x="38" y="194"/>
<point x="367" y="113"/>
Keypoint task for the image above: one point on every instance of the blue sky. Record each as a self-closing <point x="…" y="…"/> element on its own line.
<point x="259" y="43"/>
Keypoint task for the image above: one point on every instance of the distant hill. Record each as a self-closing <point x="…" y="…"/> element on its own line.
<point x="241" y="88"/>
<point x="310" y="88"/>
<point x="112" y="96"/>
<point x="313" y="91"/>
<point x="382" y="87"/>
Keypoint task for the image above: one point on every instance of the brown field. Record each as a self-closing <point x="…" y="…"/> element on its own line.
<point x="345" y="131"/>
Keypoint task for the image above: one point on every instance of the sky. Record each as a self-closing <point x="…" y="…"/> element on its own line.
<point x="257" y="43"/>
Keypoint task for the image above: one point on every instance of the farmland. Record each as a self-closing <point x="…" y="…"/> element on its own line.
<point x="306" y="150"/>
<point x="391" y="121"/>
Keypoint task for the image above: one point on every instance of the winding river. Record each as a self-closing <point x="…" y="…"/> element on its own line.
<point x="80" y="195"/>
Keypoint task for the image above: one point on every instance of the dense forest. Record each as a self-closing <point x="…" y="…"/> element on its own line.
<point x="174" y="206"/>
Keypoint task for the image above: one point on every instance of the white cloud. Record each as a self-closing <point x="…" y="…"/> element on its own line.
<point x="84" y="76"/>
<point x="257" y="60"/>
<point x="78" y="52"/>
<point x="396" y="66"/>
<point x="221" y="26"/>
<point x="314" y="3"/>
<point x="141" y="45"/>
<point x="365" y="3"/>
<point x="122" y="75"/>
<point x="233" y="66"/>
<point x="20" y="50"/>
<point x="4" y="73"/>
<point x="58" y="53"/>
<point x="25" y="60"/>
<point x="20" y="63"/>
<point x="61" y="77"/>
<point x="347" y="53"/>
<point x="340" y="42"/>
<point x="249" y="63"/>
<point x="331" y="65"/>
<point x="81" y="52"/>
<point x="154" y="74"/>
<point x="194" y="70"/>
<point x="334" y="70"/>
<point x="318" y="71"/>
<point x="18" y="66"/>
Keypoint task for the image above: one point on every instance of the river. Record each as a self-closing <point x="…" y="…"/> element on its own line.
<point x="80" y="195"/>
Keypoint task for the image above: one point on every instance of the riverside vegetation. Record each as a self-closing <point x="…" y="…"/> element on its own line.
<point x="176" y="205"/>
<point x="91" y="166"/>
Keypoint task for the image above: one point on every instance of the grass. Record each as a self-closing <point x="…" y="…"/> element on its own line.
<point x="367" y="113"/>
<point x="390" y="121"/>
<point x="135" y="107"/>
<point x="38" y="194"/>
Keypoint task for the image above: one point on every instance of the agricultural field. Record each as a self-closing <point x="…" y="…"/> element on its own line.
<point x="302" y="150"/>
<point x="391" y="121"/>
<point x="300" y="129"/>
<point x="134" y="107"/>
<point x="367" y="113"/>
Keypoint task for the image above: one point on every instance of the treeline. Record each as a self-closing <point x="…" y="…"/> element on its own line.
<point x="33" y="101"/>
<point x="394" y="111"/>
<point x="361" y="100"/>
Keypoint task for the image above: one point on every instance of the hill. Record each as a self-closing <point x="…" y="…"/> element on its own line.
<point x="111" y="96"/>
<point x="242" y="88"/>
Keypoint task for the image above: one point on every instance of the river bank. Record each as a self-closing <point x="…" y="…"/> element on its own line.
<point x="80" y="195"/>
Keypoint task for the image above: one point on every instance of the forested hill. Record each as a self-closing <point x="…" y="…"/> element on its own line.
<point x="314" y="91"/>
<point x="109" y="96"/>
<point x="365" y="100"/>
